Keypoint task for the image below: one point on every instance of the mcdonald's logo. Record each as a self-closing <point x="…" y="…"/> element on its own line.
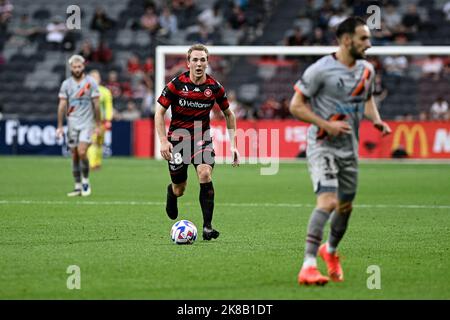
<point x="410" y="137"/>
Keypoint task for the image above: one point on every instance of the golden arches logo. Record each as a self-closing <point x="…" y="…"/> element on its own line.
<point x="410" y="136"/>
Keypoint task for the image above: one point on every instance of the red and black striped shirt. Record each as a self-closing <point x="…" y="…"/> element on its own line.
<point x="191" y="104"/>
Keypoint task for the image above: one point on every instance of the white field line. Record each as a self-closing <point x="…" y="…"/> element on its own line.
<point x="254" y="204"/>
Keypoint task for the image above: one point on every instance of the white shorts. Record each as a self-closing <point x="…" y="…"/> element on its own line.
<point x="75" y="136"/>
<point x="330" y="173"/>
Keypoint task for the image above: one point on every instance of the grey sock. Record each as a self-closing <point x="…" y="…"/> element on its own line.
<point x="85" y="168"/>
<point x="315" y="231"/>
<point x="339" y="222"/>
<point x="76" y="171"/>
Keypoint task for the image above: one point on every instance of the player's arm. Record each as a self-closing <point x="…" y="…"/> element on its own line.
<point x="301" y="110"/>
<point x="231" y="126"/>
<point x="371" y="112"/>
<point x="97" y="115"/>
<point x="166" y="147"/>
<point x="61" y="109"/>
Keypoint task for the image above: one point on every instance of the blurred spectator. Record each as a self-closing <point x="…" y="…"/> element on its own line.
<point x="284" y="112"/>
<point x="239" y="111"/>
<point x="237" y="18"/>
<point x="400" y="39"/>
<point x="296" y="38"/>
<point x="305" y="23"/>
<point x="439" y="109"/>
<point x="149" y="66"/>
<point x="186" y="12"/>
<point x="202" y="35"/>
<point x="211" y="17"/>
<point x="395" y="65"/>
<point x="87" y="52"/>
<point x="382" y="36"/>
<point x="133" y="64"/>
<point x="446" y="10"/>
<point x="423" y="116"/>
<point x="103" y="53"/>
<point x="432" y="67"/>
<point x="24" y="32"/>
<point x="270" y="109"/>
<point x="392" y="19"/>
<point x="6" y="9"/>
<point x="168" y="23"/>
<point x="318" y="38"/>
<point x="309" y="10"/>
<point x="411" y="20"/>
<point x="56" y="30"/>
<point x="325" y="13"/>
<point x="148" y="102"/>
<point x="113" y="84"/>
<point x="131" y="113"/>
<point x="338" y="16"/>
<point x="150" y="20"/>
<point x="101" y="22"/>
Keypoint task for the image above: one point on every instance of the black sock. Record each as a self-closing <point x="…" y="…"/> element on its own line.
<point x="207" y="203"/>
<point x="170" y="192"/>
<point x="85" y="168"/>
<point x="76" y="171"/>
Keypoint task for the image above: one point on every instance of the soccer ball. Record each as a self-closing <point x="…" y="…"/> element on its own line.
<point x="183" y="232"/>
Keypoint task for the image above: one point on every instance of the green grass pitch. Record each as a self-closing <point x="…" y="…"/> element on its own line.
<point x="119" y="236"/>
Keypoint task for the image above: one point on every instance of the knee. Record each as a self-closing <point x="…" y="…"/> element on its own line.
<point x="178" y="191"/>
<point x="204" y="175"/>
<point x="82" y="153"/>
<point x="328" y="204"/>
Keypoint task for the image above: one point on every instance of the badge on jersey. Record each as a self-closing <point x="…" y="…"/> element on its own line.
<point x="208" y="93"/>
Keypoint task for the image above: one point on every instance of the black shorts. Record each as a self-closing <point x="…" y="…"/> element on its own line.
<point x="186" y="152"/>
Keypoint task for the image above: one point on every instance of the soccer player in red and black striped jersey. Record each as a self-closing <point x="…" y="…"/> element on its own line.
<point x="191" y="96"/>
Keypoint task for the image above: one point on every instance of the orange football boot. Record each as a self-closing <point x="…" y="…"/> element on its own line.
<point x="311" y="275"/>
<point x="333" y="265"/>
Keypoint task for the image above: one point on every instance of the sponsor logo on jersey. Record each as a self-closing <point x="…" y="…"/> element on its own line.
<point x="194" y="104"/>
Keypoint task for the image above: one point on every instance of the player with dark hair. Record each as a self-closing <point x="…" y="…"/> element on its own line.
<point x="79" y="101"/>
<point x="333" y="95"/>
<point x="191" y="97"/>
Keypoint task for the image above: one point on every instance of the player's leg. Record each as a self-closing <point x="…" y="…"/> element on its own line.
<point x="348" y="177"/>
<point x="324" y="176"/>
<point x="76" y="172"/>
<point x="84" y="164"/>
<point x="178" y="167"/>
<point x="203" y="159"/>
<point x="206" y="198"/>
<point x="83" y="146"/>
<point x="72" y="141"/>
<point x="174" y="191"/>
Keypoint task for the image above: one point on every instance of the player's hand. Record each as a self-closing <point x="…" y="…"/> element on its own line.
<point x="59" y="132"/>
<point x="336" y="128"/>
<point x="107" y="125"/>
<point x="166" y="150"/>
<point x="236" y="157"/>
<point x="383" y="127"/>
